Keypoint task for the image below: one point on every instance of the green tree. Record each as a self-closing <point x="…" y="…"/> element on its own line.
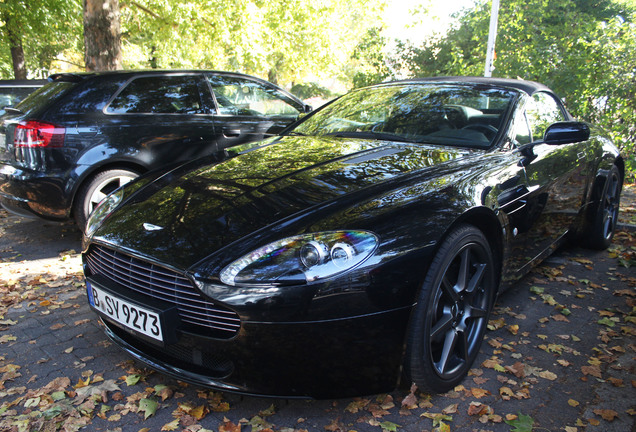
<point x="370" y="62"/>
<point x="34" y="32"/>
<point x="282" y="40"/>
<point x="585" y="50"/>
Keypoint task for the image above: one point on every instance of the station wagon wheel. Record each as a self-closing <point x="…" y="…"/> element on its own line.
<point x="606" y="215"/>
<point x="96" y="189"/>
<point x="451" y="315"/>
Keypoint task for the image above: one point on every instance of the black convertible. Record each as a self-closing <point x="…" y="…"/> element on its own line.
<point x="364" y="246"/>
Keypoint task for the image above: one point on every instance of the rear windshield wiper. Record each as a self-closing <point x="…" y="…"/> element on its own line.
<point x="12" y="110"/>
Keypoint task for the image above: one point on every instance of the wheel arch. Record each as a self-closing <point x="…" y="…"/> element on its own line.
<point x="90" y="174"/>
<point x="485" y="220"/>
<point x="596" y="188"/>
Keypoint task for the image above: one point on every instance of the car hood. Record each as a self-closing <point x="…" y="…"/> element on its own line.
<point x="196" y="211"/>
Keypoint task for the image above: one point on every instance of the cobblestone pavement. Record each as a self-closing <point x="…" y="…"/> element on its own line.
<point x="559" y="356"/>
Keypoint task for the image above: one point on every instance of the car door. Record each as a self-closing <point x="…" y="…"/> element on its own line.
<point x="249" y="110"/>
<point x="159" y="119"/>
<point x="555" y="176"/>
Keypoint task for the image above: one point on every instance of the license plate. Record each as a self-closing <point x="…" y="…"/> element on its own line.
<point x="126" y="313"/>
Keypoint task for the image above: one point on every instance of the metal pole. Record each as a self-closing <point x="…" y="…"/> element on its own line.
<point x="492" y="36"/>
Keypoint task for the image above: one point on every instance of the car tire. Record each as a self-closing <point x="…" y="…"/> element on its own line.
<point x="96" y="189"/>
<point x="452" y="310"/>
<point x="605" y="216"/>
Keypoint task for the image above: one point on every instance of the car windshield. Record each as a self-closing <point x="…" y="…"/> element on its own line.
<point x="445" y="114"/>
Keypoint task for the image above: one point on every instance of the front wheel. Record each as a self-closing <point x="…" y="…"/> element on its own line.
<point x="98" y="188"/>
<point x="451" y="315"/>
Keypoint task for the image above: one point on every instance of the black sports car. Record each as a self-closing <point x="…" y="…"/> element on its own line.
<point x="371" y="239"/>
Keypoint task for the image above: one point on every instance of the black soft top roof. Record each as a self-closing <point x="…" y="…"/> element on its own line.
<point x="529" y="87"/>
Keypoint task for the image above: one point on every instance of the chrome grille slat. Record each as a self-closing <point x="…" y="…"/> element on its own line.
<point x="161" y="283"/>
<point x="181" y="281"/>
<point x="144" y="283"/>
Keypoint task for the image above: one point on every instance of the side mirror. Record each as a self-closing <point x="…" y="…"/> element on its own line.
<point x="566" y="133"/>
<point x="308" y="108"/>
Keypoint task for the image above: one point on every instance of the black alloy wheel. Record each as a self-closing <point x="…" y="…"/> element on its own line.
<point x="451" y="315"/>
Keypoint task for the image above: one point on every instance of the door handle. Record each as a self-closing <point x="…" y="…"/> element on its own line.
<point x="227" y="132"/>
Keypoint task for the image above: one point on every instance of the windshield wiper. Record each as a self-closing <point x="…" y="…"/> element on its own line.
<point x="384" y="136"/>
<point x="294" y="133"/>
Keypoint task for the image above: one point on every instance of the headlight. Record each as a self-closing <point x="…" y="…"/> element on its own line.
<point x="302" y="259"/>
<point x="104" y="208"/>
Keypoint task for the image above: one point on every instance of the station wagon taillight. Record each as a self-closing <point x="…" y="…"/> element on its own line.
<point x="38" y="134"/>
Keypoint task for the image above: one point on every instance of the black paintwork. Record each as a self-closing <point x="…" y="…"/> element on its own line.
<point x="44" y="181"/>
<point x="345" y="335"/>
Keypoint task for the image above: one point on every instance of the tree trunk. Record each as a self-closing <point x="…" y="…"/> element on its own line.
<point x="102" y="35"/>
<point x="19" y="65"/>
<point x="15" y="45"/>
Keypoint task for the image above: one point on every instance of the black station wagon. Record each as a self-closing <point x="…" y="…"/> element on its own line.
<point x="81" y="136"/>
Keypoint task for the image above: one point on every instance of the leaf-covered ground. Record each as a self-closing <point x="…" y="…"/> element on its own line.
<point x="559" y="356"/>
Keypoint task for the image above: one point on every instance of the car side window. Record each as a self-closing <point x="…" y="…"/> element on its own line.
<point x="176" y="94"/>
<point x="521" y="129"/>
<point x="235" y="96"/>
<point x="541" y="111"/>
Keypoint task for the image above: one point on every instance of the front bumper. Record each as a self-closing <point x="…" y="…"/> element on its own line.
<point x="327" y="359"/>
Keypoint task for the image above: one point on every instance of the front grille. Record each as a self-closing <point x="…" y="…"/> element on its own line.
<point x="197" y="313"/>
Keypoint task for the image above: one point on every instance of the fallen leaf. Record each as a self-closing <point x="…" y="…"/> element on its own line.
<point x="479" y="393"/>
<point x="607" y="322"/>
<point x="173" y="426"/>
<point x="477" y="408"/>
<point x="228" y="426"/>
<point x="548" y="375"/>
<point x="523" y="423"/>
<point x="148" y="406"/>
<point x="410" y="401"/>
<point x="595" y="371"/>
<point x="357" y="405"/>
<point x="506" y="393"/>
<point x="7" y="338"/>
<point x="517" y="369"/>
<point x="496" y="324"/>
<point x="131" y="380"/>
<point x="451" y="409"/>
<point x="606" y="414"/>
<point x="388" y="426"/>
<point x="199" y="412"/>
